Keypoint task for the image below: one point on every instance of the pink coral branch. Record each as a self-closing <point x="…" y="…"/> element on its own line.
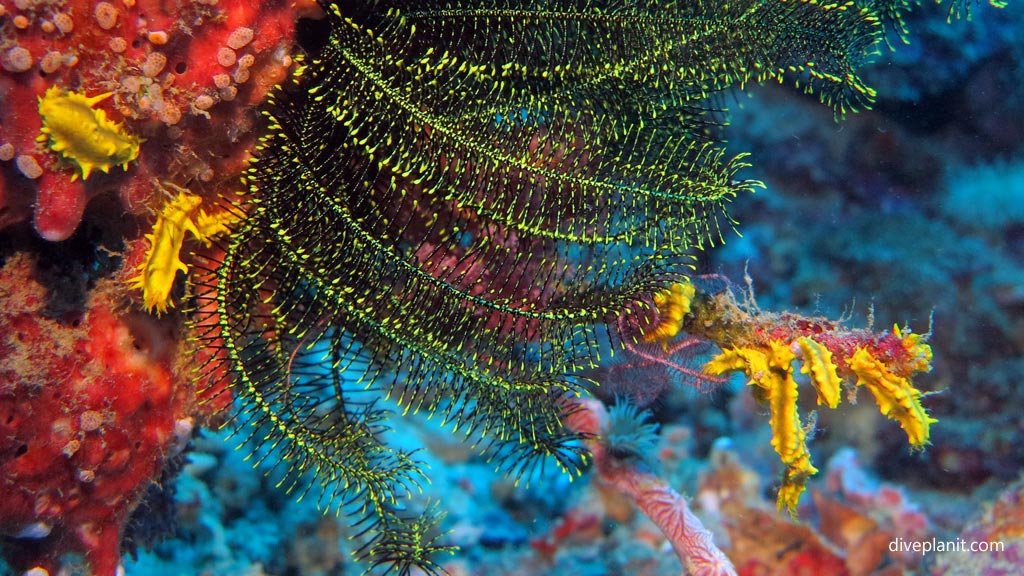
<point x="660" y="502"/>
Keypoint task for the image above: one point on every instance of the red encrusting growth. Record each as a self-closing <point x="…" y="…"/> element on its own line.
<point x="91" y="406"/>
<point x="160" y="61"/>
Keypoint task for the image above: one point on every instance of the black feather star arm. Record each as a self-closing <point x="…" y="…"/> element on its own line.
<point x="459" y="204"/>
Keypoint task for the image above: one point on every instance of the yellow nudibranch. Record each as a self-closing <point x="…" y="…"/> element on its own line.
<point x="157" y="272"/>
<point x="673" y="305"/>
<point x="817" y="362"/>
<point x="83" y="134"/>
<point x="770" y="370"/>
<point x="896" y="396"/>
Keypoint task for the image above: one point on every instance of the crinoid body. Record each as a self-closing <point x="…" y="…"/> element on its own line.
<point x="458" y="203"/>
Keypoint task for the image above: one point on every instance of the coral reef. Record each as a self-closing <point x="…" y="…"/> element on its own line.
<point x="91" y="406"/>
<point x="911" y="208"/>
<point x="113" y="101"/>
<point x="139" y="116"/>
<point x="162" y="74"/>
<point x="618" y="463"/>
<point x="999" y="529"/>
<point x="846" y="531"/>
<point x="766" y="346"/>
<point x="480" y="235"/>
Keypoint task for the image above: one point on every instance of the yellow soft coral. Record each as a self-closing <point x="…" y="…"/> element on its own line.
<point x="83" y="134"/>
<point x="895" y="395"/>
<point x="673" y="305"/>
<point x="157" y="272"/>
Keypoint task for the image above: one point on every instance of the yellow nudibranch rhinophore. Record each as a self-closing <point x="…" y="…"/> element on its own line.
<point x="83" y="134"/>
<point x="157" y="272"/>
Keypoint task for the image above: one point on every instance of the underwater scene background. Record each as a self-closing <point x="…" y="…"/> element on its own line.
<point x="148" y="312"/>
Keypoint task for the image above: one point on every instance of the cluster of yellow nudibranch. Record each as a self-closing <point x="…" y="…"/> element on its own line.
<point x="155" y="275"/>
<point x="881" y="363"/>
<point x="83" y="134"/>
<point x="768" y="348"/>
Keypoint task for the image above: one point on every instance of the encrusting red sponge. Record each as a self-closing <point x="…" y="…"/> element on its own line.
<point x="91" y="407"/>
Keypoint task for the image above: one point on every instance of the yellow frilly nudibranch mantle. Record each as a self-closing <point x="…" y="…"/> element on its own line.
<point x="83" y="134"/>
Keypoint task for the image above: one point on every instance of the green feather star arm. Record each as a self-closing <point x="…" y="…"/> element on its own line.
<point x="459" y="206"/>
